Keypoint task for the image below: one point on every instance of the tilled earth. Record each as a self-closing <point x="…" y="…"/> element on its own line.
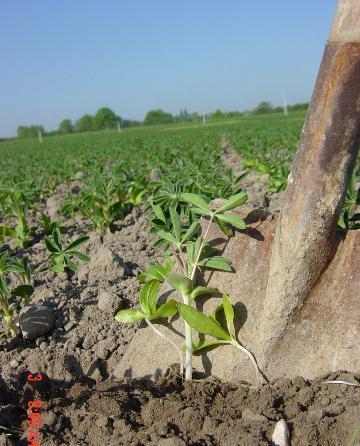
<point x="172" y="412"/>
<point x="83" y="404"/>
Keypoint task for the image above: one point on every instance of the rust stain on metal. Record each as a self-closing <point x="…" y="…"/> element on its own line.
<point x="332" y="125"/>
<point x="343" y="136"/>
<point x="331" y="136"/>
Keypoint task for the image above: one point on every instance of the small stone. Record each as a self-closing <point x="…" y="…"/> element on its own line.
<point x="43" y="346"/>
<point x="102" y="350"/>
<point x="88" y="342"/>
<point x="325" y="401"/>
<point x="315" y="415"/>
<point x="102" y="422"/>
<point x="14" y="363"/>
<point x="109" y="302"/>
<point x="36" y="321"/>
<point x="334" y="410"/>
<point x="281" y="435"/>
<point x="248" y="415"/>
<point x="39" y="341"/>
<point x="70" y="325"/>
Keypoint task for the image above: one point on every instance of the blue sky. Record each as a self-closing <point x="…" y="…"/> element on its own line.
<point x="66" y="58"/>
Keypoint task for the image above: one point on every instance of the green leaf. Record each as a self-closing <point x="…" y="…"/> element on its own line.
<point x="157" y="272"/>
<point x="158" y="224"/>
<point x="193" y="249"/>
<point x="203" y="324"/>
<point x="218" y="262"/>
<point x="207" y="251"/>
<point x="228" y="311"/>
<point x="341" y="223"/>
<point x="228" y="231"/>
<point x="205" y="343"/>
<point x="233" y="220"/>
<point x="168" y="309"/>
<point x="214" y="315"/>
<point x="148" y="296"/>
<point x="233" y="202"/>
<point x="198" y="201"/>
<point x="70" y="263"/>
<point x="175" y="220"/>
<point x="76" y="243"/>
<point x="13" y="268"/>
<point x="23" y="290"/>
<point x="129" y="316"/>
<point x="167" y="236"/>
<point x="79" y="255"/>
<point x="190" y="231"/>
<point x="159" y="213"/>
<point x="181" y="284"/>
<point x="199" y="211"/>
<point x="58" y="267"/>
<point x="57" y="238"/>
<point x="201" y="290"/>
<point x="3" y="287"/>
<point x="51" y="245"/>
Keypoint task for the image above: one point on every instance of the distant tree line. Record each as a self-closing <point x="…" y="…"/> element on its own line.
<point x="105" y="118"/>
<point x="30" y="132"/>
<point x="266" y="107"/>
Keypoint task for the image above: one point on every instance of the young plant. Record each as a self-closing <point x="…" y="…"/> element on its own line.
<point x="10" y="265"/>
<point x="349" y="218"/>
<point x="15" y="203"/>
<point x="25" y="290"/>
<point x="201" y="255"/>
<point x="191" y="252"/>
<point x="60" y="256"/>
<point x="150" y="310"/>
<point x="49" y="225"/>
<point x="103" y="201"/>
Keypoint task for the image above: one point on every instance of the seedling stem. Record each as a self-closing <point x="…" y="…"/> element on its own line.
<point x="170" y="342"/>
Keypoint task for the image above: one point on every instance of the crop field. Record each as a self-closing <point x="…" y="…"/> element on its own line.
<point x="91" y="226"/>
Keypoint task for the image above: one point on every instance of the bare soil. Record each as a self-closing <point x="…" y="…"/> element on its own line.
<point x="172" y="412"/>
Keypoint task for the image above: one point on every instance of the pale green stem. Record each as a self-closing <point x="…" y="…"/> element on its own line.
<point x="8" y="316"/>
<point x="188" y="345"/>
<point x="170" y="342"/>
<point x="250" y="356"/>
<point x="188" y="330"/>
<point x="201" y="248"/>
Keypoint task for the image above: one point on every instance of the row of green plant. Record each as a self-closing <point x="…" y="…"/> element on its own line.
<point x="60" y="158"/>
<point x="106" y="197"/>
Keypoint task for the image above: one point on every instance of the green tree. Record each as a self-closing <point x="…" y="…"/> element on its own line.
<point x="158" y="117"/>
<point x="263" y="107"/>
<point x="22" y="131"/>
<point x="105" y="118"/>
<point x="301" y="106"/>
<point x="84" y="124"/>
<point x="30" y="132"/>
<point x="218" y="114"/>
<point x="66" y="126"/>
